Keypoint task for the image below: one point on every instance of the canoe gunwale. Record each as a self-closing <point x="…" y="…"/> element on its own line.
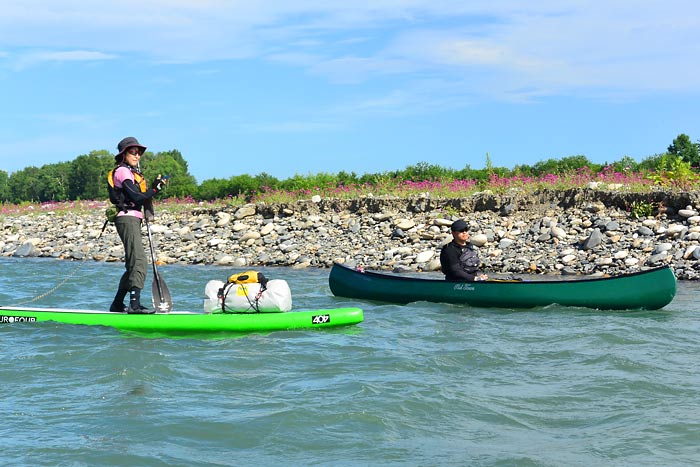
<point x="568" y="279"/>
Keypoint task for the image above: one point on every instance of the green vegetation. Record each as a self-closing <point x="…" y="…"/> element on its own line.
<point x="641" y="209"/>
<point x="688" y="152"/>
<point x="85" y="179"/>
<point x="672" y="170"/>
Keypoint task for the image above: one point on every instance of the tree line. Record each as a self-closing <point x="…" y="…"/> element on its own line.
<point x="85" y="178"/>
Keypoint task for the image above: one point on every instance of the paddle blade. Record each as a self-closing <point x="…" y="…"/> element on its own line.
<point x="162" y="302"/>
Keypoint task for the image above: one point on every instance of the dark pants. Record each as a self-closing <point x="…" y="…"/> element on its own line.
<point x="129" y="230"/>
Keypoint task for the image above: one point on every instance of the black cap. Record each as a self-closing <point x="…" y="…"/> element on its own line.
<point x="459" y="226"/>
<point x="126" y="143"/>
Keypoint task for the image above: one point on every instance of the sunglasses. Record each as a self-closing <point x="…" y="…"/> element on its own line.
<point x="134" y="152"/>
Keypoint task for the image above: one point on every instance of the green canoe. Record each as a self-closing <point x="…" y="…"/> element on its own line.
<point x="186" y="322"/>
<point x="650" y="289"/>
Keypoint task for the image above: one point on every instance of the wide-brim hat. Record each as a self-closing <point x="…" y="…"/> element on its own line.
<point x="125" y="144"/>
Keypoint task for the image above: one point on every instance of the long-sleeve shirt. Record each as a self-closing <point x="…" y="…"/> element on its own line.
<point x="124" y="180"/>
<point x="459" y="263"/>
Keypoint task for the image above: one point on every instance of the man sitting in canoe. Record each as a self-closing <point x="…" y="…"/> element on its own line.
<point x="458" y="259"/>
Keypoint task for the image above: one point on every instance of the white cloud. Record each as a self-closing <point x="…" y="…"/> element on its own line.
<point x="37" y="57"/>
<point x="545" y="46"/>
<point x="471" y="52"/>
<point x="71" y="56"/>
<point x="418" y="97"/>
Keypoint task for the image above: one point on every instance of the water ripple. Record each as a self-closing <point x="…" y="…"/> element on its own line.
<point x="421" y="384"/>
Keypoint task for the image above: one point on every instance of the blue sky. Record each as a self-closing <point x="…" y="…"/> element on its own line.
<point x="302" y="87"/>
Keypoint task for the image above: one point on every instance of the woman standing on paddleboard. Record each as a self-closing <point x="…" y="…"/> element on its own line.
<point x="130" y="194"/>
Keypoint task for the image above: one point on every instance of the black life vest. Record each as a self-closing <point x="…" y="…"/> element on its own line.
<point x="469" y="260"/>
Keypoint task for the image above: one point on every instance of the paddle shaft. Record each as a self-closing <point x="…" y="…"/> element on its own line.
<point x="163" y="303"/>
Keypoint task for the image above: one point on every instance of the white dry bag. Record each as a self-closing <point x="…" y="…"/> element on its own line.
<point x="247" y="298"/>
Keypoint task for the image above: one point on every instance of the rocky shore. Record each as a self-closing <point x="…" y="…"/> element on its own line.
<point x="584" y="231"/>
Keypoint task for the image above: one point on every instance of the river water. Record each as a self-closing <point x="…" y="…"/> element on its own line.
<point x="417" y="385"/>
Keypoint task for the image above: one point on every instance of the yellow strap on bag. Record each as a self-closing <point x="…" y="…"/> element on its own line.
<point x="247" y="277"/>
<point x="237" y="281"/>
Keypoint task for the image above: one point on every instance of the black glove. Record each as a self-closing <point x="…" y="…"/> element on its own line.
<point x="159" y="183"/>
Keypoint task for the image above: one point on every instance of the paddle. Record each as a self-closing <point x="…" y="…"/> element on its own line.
<point x="160" y="293"/>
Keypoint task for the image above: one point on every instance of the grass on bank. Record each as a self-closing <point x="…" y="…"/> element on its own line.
<point x="667" y="180"/>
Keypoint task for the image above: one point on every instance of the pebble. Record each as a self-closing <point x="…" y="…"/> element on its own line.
<point x="580" y="232"/>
